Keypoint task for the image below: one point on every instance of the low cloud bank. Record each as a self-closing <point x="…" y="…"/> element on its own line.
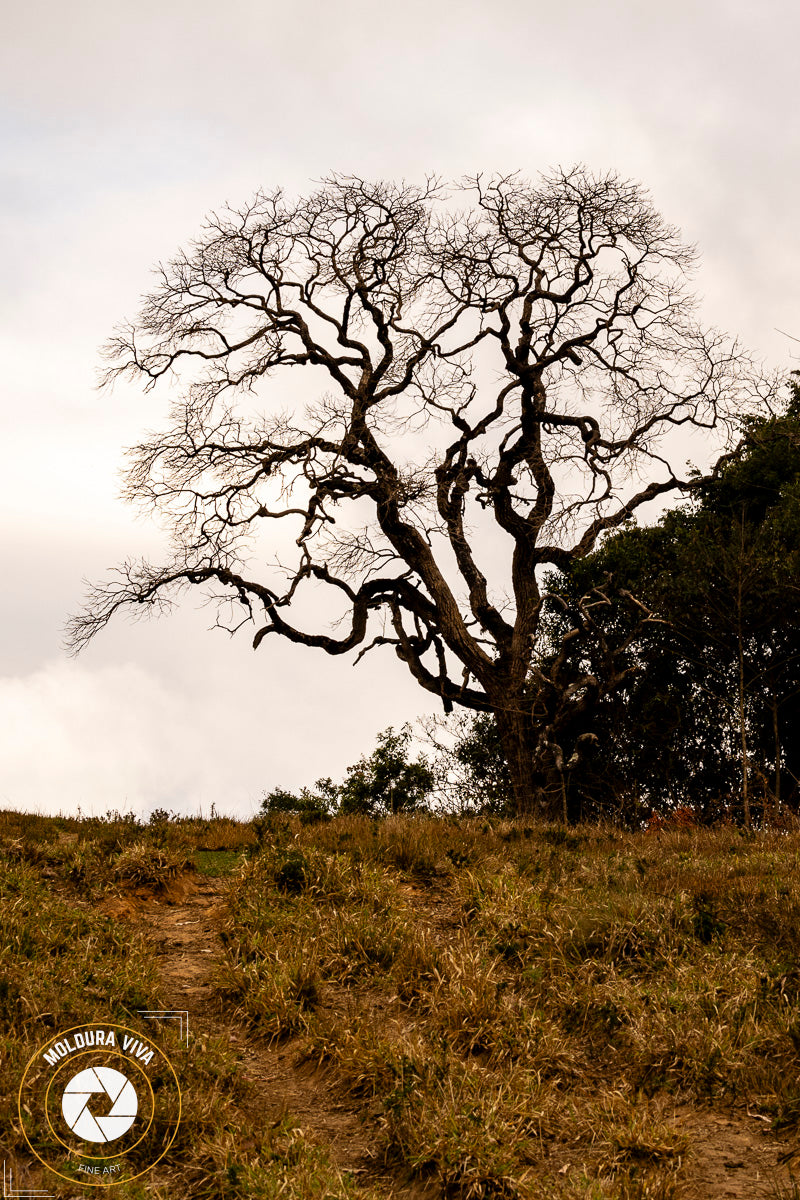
<point x="182" y="732"/>
<point x="116" y="737"/>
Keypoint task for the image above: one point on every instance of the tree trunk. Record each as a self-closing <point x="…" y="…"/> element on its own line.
<point x="527" y="778"/>
<point x="777" y="734"/>
<point x="742" y="714"/>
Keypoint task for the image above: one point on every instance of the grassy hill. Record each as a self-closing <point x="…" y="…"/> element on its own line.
<point x="424" y="1007"/>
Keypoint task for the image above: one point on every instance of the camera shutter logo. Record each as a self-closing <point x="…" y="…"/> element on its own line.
<point x="105" y="1081"/>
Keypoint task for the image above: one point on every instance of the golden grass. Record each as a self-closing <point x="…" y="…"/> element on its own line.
<point x="512" y="989"/>
<point x="520" y="1010"/>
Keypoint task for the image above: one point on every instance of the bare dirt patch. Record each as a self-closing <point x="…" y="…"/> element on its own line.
<point x="733" y="1155"/>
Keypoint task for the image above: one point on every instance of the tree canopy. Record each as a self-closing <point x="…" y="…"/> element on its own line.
<point x="694" y="643"/>
<point x="498" y="373"/>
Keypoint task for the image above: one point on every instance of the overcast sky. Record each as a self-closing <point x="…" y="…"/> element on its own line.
<point x="123" y="124"/>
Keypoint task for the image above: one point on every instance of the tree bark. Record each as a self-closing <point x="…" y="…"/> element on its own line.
<point x="777" y="734"/>
<point x="519" y="746"/>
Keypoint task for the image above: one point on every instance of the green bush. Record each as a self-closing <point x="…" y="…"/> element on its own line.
<point x="387" y="782"/>
<point x="384" y="783"/>
<point x="310" y="807"/>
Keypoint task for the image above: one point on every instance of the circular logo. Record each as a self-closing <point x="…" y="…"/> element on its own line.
<point x="99" y="1104"/>
<point x="83" y="1087"/>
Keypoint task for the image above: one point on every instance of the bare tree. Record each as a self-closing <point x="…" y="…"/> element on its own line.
<point x="493" y="386"/>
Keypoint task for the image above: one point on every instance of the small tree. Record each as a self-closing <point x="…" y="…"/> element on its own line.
<point x="310" y="806"/>
<point x="476" y="756"/>
<point x="491" y="388"/>
<point x="387" y="782"/>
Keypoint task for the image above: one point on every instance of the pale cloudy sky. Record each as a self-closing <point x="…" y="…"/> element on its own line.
<point x="122" y="124"/>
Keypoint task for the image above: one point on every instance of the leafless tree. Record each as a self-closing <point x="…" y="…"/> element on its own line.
<point x="496" y="376"/>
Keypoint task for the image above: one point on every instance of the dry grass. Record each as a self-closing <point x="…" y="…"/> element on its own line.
<point x="514" y="992"/>
<point x="521" y="1011"/>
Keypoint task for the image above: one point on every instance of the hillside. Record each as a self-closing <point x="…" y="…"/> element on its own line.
<point x="420" y="1007"/>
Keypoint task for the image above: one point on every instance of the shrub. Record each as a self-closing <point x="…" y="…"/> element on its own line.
<point x="387" y="782"/>
<point x="141" y="865"/>
<point x="310" y="807"/>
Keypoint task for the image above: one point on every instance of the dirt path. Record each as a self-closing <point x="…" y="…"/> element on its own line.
<point x="184" y="925"/>
<point x="733" y="1156"/>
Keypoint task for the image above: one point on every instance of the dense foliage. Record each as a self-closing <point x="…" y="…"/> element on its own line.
<point x="675" y="664"/>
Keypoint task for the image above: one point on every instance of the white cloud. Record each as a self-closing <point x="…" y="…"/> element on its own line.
<point x="220" y="729"/>
<point x="109" y="737"/>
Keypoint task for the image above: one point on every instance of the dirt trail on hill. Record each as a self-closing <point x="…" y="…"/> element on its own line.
<point x="733" y="1155"/>
<point x="184" y="923"/>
